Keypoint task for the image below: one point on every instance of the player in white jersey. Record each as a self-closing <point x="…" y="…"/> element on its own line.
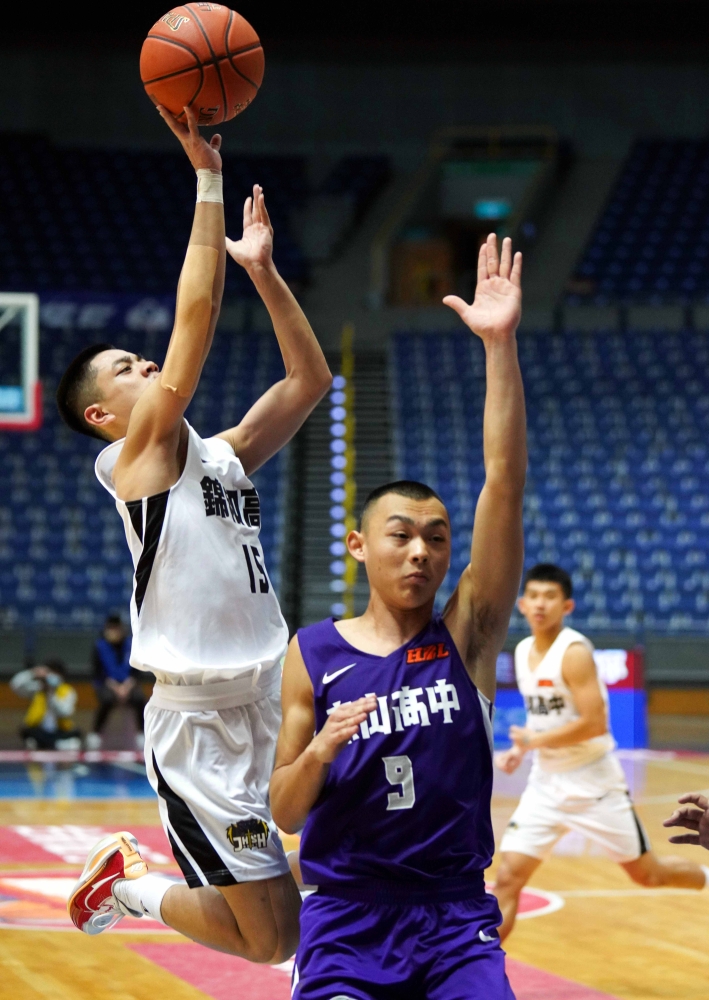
<point x="576" y="782"/>
<point x="204" y="615"/>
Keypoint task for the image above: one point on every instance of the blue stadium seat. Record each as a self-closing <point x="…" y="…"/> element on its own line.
<point x="650" y="243"/>
<point x="82" y="219"/>
<point x="618" y="483"/>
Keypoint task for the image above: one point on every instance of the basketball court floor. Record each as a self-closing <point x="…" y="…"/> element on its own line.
<point x="587" y="932"/>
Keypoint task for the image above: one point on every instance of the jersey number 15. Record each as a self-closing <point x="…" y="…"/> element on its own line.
<point x="263" y="579"/>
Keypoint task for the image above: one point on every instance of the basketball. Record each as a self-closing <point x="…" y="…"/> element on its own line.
<point x="204" y="56"/>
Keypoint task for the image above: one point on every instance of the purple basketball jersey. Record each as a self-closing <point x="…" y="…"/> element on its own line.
<point x="408" y="799"/>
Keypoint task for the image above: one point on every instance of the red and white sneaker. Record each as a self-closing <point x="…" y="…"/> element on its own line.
<point x="92" y="906"/>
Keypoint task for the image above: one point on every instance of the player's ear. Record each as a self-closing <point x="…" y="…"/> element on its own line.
<point x="569" y="606"/>
<point x="355" y="545"/>
<point x="521" y="604"/>
<point x="97" y="416"/>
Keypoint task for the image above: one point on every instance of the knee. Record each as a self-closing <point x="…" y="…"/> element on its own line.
<point x="284" y="951"/>
<point x="288" y="937"/>
<point x="508" y="880"/>
<point x="260" y="953"/>
<point x="267" y="948"/>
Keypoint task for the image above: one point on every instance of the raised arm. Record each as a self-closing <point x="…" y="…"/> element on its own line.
<point x="479" y="611"/>
<point x="303" y="760"/>
<point x="156" y="419"/>
<point x="281" y="411"/>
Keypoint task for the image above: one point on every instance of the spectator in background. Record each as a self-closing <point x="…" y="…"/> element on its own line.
<point x="49" y="722"/>
<point x="115" y="681"/>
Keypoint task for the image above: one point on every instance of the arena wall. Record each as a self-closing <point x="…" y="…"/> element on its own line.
<point x="316" y="106"/>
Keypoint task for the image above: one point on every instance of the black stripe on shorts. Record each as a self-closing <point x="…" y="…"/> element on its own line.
<point x="185" y="825"/>
<point x="642" y="836"/>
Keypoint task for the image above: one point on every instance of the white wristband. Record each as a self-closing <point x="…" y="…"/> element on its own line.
<point x="209" y="187"/>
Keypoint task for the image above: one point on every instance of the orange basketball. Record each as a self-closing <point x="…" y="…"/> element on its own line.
<point x="203" y="56"/>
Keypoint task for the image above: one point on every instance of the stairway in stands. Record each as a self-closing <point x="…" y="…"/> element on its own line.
<point x="374" y="466"/>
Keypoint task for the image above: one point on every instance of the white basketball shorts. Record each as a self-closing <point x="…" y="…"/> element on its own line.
<point x="210" y="767"/>
<point x="593" y="800"/>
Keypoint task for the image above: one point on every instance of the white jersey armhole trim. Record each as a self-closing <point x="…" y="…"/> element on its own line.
<point x="219" y="441"/>
<point x="105" y="476"/>
<point x="488" y="713"/>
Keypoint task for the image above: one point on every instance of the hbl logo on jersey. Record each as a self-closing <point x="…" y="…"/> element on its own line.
<point x="421" y="654"/>
<point x="248" y="834"/>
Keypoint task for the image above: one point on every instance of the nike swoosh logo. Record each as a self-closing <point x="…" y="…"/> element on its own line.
<point x="326" y="678"/>
<point x="486" y="937"/>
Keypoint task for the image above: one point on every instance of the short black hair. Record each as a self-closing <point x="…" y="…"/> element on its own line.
<point x="549" y="573"/>
<point x="56" y="667"/>
<point x="77" y="384"/>
<point x="113" y="620"/>
<point x="404" y="488"/>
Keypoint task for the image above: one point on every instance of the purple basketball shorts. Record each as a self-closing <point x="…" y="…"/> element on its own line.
<point x="355" y="950"/>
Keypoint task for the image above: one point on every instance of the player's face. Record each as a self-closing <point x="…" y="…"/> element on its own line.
<point x="405" y="547"/>
<point x="544" y="605"/>
<point x="121" y="379"/>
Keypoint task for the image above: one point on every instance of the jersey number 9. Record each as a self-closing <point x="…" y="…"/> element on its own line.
<point x="399" y="771"/>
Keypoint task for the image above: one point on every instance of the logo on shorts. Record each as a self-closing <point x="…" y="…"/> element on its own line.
<point x="513" y="825"/>
<point x="173" y="20"/>
<point x="248" y="834"/>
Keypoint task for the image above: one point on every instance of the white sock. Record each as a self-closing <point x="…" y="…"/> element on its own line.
<point x="706" y="876"/>
<point x="144" y="895"/>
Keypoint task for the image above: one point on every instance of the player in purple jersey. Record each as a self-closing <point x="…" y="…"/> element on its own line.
<point x="394" y="787"/>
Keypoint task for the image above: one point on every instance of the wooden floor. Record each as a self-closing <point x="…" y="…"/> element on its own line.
<point x="610" y="935"/>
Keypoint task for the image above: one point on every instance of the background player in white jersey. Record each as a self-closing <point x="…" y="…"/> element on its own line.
<point x="576" y="782"/>
<point x="204" y="616"/>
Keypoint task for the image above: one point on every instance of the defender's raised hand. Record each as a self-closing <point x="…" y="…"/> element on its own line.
<point x="202" y="155"/>
<point x="255" y="247"/>
<point x="497" y="307"/>
<point x="694" y="815"/>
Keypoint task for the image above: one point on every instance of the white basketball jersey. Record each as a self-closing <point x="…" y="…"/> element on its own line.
<point x="203" y="608"/>
<point x="550" y="704"/>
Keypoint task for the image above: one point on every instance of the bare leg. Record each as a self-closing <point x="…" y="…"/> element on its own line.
<point x="293" y="858"/>
<point x="255" y="920"/>
<point x="653" y="872"/>
<point x="513" y="873"/>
